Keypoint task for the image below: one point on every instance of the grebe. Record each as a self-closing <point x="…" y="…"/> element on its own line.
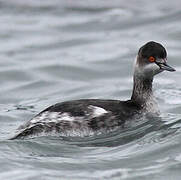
<point x="87" y="117"/>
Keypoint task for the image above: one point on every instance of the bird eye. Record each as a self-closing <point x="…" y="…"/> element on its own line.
<point x="151" y="59"/>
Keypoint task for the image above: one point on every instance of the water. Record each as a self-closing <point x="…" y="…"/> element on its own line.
<point x="55" y="51"/>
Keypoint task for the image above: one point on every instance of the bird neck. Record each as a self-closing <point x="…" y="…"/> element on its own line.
<point x="142" y="93"/>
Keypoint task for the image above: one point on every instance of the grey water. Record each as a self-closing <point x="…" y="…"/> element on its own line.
<point x="54" y="51"/>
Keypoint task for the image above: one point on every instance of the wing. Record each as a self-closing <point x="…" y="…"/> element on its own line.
<point x="78" y="118"/>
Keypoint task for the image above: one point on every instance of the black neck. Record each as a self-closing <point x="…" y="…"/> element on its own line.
<point x="142" y="90"/>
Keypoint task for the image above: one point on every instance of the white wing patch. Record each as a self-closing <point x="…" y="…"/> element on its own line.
<point x="47" y="116"/>
<point x="97" y="111"/>
<point x="78" y="125"/>
<point x="52" y="117"/>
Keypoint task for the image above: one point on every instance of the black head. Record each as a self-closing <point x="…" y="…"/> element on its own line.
<point x="153" y="49"/>
<point x="152" y="59"/>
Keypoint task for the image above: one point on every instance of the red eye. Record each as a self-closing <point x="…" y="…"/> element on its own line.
<point x="151" y="59"/>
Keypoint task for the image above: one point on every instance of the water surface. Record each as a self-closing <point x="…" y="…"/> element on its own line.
<point x="55" y="51"/>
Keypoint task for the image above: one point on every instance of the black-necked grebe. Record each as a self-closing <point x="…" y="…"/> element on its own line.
<point x="89" y="116"/>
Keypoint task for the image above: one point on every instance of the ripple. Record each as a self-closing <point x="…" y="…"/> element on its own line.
<point x="61" y="50"/>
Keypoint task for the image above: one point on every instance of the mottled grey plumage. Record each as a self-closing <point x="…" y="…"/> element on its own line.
<point x="94" y="116"/>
